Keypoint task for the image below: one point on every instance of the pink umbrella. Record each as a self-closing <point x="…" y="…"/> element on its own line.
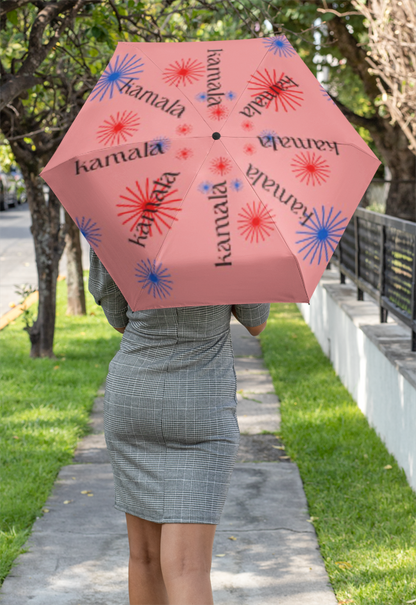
<point x="211" y="173"/>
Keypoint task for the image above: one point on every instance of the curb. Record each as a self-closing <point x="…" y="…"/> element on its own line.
<point x="14" y="313"/>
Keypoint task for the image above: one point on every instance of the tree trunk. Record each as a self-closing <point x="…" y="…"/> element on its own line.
<point x="390" y="139"/>
<point x="49" y="240"/>
<point x="75" y="276"/>
<point x="393" y="146"/>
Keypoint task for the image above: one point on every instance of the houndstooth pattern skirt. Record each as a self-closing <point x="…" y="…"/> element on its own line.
<point x="170" y="406"/>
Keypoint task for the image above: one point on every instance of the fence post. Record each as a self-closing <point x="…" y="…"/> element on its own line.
<point x="383" y="311"/>
<point x="413" y="299"/>
<point x="360" y="293"/>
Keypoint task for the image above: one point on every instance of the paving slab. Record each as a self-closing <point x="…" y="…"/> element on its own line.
<point x="256" y="415"/>
<point x="254" y="382"/>
<point x="249" y="364"/>
<point x="272" y="567"/>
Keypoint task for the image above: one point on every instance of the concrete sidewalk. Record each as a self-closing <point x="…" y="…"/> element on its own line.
<point x="265" y="550"/>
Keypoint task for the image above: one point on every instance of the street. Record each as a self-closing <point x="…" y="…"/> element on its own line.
<point x="17" y="255"/>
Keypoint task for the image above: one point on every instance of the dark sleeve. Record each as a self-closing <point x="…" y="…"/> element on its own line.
<point x="106" y="293"/>
<point x="252" y="315"/>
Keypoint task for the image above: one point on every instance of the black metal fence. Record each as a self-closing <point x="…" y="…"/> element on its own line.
<point x="378" y="253"/>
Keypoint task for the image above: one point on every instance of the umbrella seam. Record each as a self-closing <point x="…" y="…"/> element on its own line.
<point x="183" y="201"/>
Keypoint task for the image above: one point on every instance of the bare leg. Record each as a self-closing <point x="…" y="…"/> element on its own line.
<point x="186" y="554"/>
<point x="146" y="586"/>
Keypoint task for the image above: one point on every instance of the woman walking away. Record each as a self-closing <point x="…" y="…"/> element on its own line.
<point x="172" y="434"/>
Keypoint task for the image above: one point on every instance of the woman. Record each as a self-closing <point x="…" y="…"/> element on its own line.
<point x="172" y="434"/>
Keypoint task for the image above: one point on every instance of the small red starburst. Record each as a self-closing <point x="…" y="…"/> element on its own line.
<point x="149" y="209"/>
<point x="116" y="129"/>
<point x="313" y="169"/>
<point x="184" y="129"/>
<point x="220" y="166"/>
<point x="247" y="125"/>
<point x="218" y="112"/>
<point x="249" y="149"/>
<point x="184" y="154"/>
<point x="282" y="90"/>
<point x="256" y="222"/>
<point x="183" y="72"/>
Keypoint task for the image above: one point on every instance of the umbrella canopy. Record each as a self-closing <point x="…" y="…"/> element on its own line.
<point x="209" y="173"/>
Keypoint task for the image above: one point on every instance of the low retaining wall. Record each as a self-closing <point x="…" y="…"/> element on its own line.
<point x="374" y="361"/>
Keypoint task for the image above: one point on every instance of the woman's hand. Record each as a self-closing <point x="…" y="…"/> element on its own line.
<point x="121" y="330"/>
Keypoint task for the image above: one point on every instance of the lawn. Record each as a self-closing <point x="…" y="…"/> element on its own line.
<point x="45" y="405"/>
<point x="362" y="507"/>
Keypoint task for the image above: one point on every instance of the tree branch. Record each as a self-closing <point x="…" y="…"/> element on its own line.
<point x="355" y="118"/>
<point x="37" y="52"/>
<point x="355" y="56"/>
<point x="11" y="5"/>
<point x="13" y="87"/>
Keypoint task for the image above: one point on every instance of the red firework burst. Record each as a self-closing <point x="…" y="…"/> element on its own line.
<point x="313" y="169"/>
<point x="247" y="125"/>
<point x="218" y="112"/>
<point x="184" y="154"/>
<point x="116" y="129"/>
<point x="255" y="222"/>
<point x="184" y="129"/>
<point x="281" y="90"/>
<point x="183" y="72"/>
<point x="149" y="208"/>
<point x="221" y="166"/>
<point x="249" y="149"/>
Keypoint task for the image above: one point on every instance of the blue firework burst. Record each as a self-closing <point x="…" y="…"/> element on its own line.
<point x="280" y="45"/>
<point x="230" y="95"/>
<point x="202" y="97"/>
<point x="322" y="234"/>
<point x="268" y="136"/>
<point x="154" y="278"/>
<point x="205" y="187"/>
<point x="326" y="95"/>
<point x="116" y="75"/>
<point x="162" y="142"/>
<point x="89" y="230"/>
<point x="236" y="185"/>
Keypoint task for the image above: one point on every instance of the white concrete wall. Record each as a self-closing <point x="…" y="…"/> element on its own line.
<point x="377" y="384"/>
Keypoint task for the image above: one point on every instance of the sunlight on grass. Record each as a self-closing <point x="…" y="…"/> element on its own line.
<point x="45" y="405"/>
<point x="364" y="514"/>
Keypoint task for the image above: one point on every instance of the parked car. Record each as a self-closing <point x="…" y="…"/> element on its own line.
<point x="12" y="189"/>
<point x="20" y="186"/>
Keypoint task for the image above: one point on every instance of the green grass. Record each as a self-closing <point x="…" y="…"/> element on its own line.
<point x="364" y="514"/>
<point x="45" y="405"/>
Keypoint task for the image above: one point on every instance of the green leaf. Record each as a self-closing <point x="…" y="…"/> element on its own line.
<point x="12" y="17"/>
<point x="327" y="16"/>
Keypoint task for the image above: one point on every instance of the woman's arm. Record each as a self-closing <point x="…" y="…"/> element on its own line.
<point x="106" y="293"/>
<point x="256" y="330"/>
<point x="252" y="317"/>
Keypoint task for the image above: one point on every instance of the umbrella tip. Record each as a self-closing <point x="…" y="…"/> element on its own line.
<point x="216" y="135"/>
